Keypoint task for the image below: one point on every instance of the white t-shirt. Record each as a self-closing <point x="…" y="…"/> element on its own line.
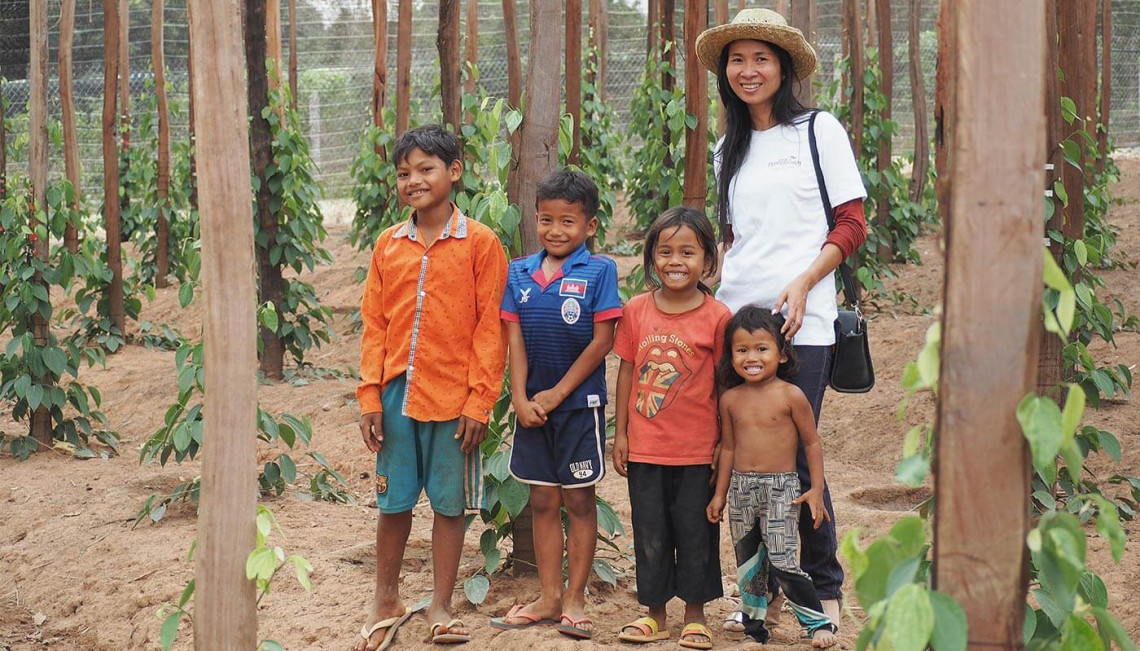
<point x="778" y="221"/>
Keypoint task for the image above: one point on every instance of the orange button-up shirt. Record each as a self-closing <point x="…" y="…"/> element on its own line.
<point x="431" y="310"/>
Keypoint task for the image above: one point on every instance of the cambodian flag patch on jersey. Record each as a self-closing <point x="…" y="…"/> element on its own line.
<point x="572" y="287"/>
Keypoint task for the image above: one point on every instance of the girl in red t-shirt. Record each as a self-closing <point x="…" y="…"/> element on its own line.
<point x="669" y="340"/>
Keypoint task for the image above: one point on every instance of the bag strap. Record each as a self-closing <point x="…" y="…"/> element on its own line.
<point x="850" y="290"/>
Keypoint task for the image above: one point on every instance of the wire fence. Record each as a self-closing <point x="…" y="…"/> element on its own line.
<point x="335" y="57"/>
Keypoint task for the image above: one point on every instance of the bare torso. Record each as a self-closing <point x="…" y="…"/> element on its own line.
<point x="766" y="437"/>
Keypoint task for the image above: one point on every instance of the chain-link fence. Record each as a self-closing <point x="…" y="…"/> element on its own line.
<point x="335" y="56"/>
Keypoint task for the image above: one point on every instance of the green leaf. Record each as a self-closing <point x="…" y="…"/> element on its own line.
<point x="950" y="628"/>
<point x="1081" y="251"/>
<point x="910" y="533"/>
<point x="910" y="619"/>
<point x="1040" y="420"/>
<point x="605" y="572"/>
<point x="268" y="317"/>
<point x="514" y="496"/>
<point x="35" y="396"/>
<point x="1074" y="410"/>
<point x="270" y="645"/>
<point x="288" y="468"/>
<point x="913" y="470"/>
<point x="1111" y="629"/>
<point x="169" y="630"/>
<point x="56" y="360"/>
<point x="1078" y="635"/>
<point x="185" y="294"/>
<point x="476" y="588"/>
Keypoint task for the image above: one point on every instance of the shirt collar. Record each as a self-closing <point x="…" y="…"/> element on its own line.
<point x="581" y="255"/>
<point x="456" y="227"/>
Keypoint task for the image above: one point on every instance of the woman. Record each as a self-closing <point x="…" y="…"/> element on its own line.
<point x="778" y="250"/>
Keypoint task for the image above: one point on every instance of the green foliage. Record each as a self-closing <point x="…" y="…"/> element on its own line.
<point x="601" y="147"/>
<point x="374" y="185"/>
<point x="302" y="322"/>
<point x="33" y="375"/>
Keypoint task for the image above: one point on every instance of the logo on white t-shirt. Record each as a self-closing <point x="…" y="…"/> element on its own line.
<point x="784" y="163"/>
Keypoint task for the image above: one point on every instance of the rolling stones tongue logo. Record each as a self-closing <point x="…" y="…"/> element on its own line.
<point x="660" y="379"/>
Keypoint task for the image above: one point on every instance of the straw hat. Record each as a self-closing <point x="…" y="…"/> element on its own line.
<point x="757" y="25"/>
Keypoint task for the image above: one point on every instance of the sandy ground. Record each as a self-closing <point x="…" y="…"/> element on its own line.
<point x="75" y="575"/>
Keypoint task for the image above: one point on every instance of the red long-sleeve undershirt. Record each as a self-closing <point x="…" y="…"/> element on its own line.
<point x="850" y="227"/>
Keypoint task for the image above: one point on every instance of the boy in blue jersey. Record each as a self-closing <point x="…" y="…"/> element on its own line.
<point x="560" y="307"/>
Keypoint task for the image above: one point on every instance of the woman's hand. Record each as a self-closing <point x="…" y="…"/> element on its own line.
<point x="794" y="295"/>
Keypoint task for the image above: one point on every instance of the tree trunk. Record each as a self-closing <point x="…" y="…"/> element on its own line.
<point x="1050" y="364"/>
<point x="111" y="217"/>
<point x="3" y="147"/>
<point x="125" y="70"/>
<point x="1105" y="82"/>
<point x="921" y="166"/>
<point x="471" y="51"/>
<point x="41" y="429"/>
<point x="603" y="47"/>
<point x="944" y="80"/>
<point x="260" y="141"/>
<point x="721" y="17"/>
<point x="190" y="103"/>
<point x="804" y="17"/>
<point x="447" y="43"/>
<point x="887" y="66"/>
<point x="696" y="103"/>
<point x="380" y="68"/>
<point x="293" y="53"/>
<point x="162" y="232"/>
<point x="574" y="76"/>
<point x="225" y="609"/>
<point x="854" y="39"/>
<point x="1076" y="22"/>
<point x="274" y="52"/>
<point x="990" y="329"/>
<point x="67" y="102"/>
<point x="653" y="22"/>
<point x="668" y="81"/>
<point x="403" y="65"/>
<point x="514" y="92"/>
<point x="872" y="20"/>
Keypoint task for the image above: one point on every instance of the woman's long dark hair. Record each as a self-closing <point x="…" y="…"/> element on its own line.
<point x="738" y="123"/>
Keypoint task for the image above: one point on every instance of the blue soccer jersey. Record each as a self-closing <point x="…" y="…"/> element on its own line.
<point x="557" y="318"/>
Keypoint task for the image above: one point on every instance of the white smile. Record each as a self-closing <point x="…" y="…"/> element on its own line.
<point x="676" y="275"/>
<point x="753" y="370"/>
<point x="417" y="193"/>
<point x="750" y="87"/>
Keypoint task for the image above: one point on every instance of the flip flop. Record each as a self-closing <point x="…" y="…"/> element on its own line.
<point x="392" y="624"/>
<point x="696" y="629"/>
<point x="449" y="638"/>
<point x="734" y="622"/>
<point x="648" y="626"/>
<point x="573" y="627"/>
<point x="517" y="612"/>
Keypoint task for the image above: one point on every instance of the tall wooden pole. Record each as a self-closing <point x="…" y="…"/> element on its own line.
<point x="293" y="53"/>
<point x="872" y="21"/>
<point x="158" y="59"/>
<point x="447" y="43"/>
<point x="668" y="81"/>
<point x="1105" y="82"/>
<point x="514" y="60"/>
<point x="695" y="189"/>
<point x="538" y="154"/>
<point x="67" y="102"/>
<point x="190" y="103"/>
<point x="854" y="40"/>
<point x="125" y="70"/>
<point x="274" y="51"/>
<point x="111" y="215"/>
<point x="471" y="48"/>
<point x="653" y="22"/>
<point x="403" y="65"/>
<point x="380" y="67"/>
<point x="721" y="17"/>
<point x="225" y="611"/>
<point x="918" y="98"/>
<point x="3" y="147"/>
<point x="574" y="75"/>
<point x="1076" y="22"/>
<point x="41" y="429"/>
<point x="805" y="18"/>
<point x="1050" y="364"/>
<point x="990" y="329"/>
<point x="603" y="47"/>
<point x="944" y="81"/>
<point x="887" y="69"/>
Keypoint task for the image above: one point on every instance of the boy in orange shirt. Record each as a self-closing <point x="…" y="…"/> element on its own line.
<point x="431" y="369"/>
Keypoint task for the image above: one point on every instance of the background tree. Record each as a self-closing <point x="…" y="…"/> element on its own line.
<point x="38" y="171"/>
<point x="447" y="42"/>
<point x="403" y="65"/>
<point x="573" y="67"/>
<point x="67" y="106"/>
<point x="886" y="87"/>
<point x="921" y="167"/>
<point x="158" y="62"/>
<point x="696" y="104"/>
<point x="111" y="215"/>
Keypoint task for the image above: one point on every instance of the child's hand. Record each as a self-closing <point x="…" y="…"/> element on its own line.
<point x="716" y="509"/>
<point x="814" y="499"/>
<point x="471" y="433"/>
<point x="372" y="430"/>
<point x="548" y="400"/>
<point x="530" y="414"/>
<point x="621" y="455"/>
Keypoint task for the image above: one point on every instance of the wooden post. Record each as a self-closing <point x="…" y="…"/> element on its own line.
<point x="274" y="52"/>
<point x="380" y="68"/>
<point x="603" y="47"/>
<point x="804" y="17"/>
<point x="260" y="143"/>
<point x="514" y="92"/>
<point x="67" y="102"/>
<point x="471" y="49"/>
<point x="3" y="147"/>
<point x="668" y="81"/>
<point x="721" y="17"/>
<point x="918" y="99"/>
<point x="781" y="7"/>
<point x="887" y="69"/>
<point x="944" y="80"/>
<point x="225" y="612"/>
<point x="403" y="65"/>
<point x="872" y="21"/>
<point x="990" y="329"/>
<point x="111" y="216"/>
<point x="158" y="61"/>
<point x="653" y="20"/>
<point x="1076" y="22"/>
<point x="41" y="429"/>
<point x="293" y="53"/>
<point x="1105" y="82"/>
<point x="125" y="70"/>
<point x="1050" y="365"/>
<point x="190" y="109"/>
<point x="854" y="28"/>
<point x="696" y="103"/>
<point x="574" y="75"/>
<point x="594" y="33"/>
<point x="447" y="43"/>
<point x="538" y="154"/>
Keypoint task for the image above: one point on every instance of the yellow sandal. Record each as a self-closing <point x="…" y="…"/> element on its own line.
<point x="696" y="629"/>
<point x="651" y="631"/>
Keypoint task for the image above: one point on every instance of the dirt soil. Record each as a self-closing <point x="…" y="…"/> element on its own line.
<point x="75" y="575"/>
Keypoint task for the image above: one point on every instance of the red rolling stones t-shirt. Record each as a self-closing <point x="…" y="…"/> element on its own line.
<point x="673" y="402"/>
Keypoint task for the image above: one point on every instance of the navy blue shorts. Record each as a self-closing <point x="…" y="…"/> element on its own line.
<point x="567" y="451"/>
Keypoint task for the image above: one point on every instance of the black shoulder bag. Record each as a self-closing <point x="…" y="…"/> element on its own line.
<point x="851" y="369"/>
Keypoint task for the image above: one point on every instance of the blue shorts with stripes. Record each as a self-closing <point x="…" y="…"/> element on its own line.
<point x="420" y="457"/>
<point x="568" y="450"/>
